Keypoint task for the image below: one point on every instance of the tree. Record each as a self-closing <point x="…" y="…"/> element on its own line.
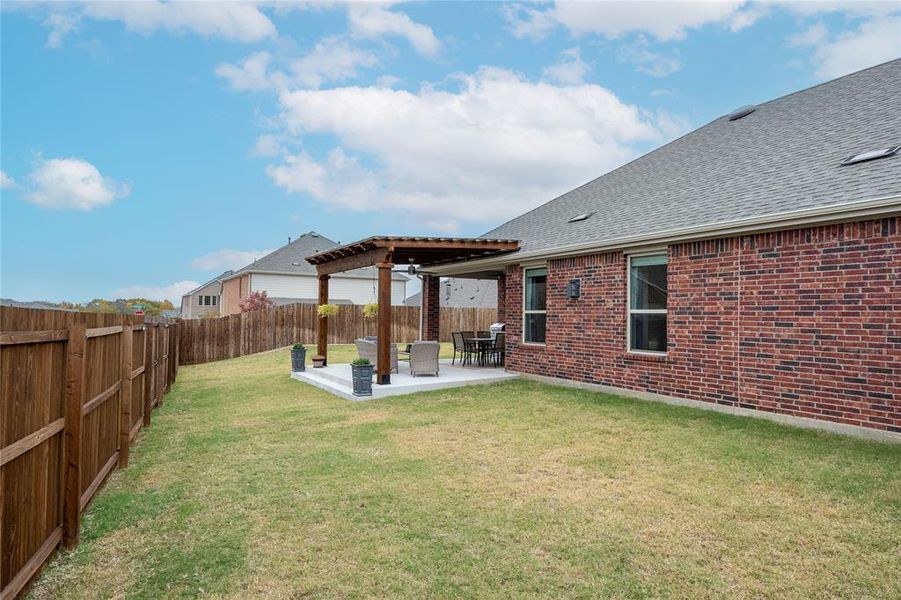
<point x="256" y="301"/>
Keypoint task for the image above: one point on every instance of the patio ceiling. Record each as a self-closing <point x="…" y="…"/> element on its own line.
<point x="422" y="251"/>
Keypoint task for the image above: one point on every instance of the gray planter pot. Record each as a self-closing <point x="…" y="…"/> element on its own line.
<point x="362" y="379"/>
<point x="298" y="359"/>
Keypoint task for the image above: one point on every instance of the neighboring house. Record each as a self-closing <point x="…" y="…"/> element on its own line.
<point x="204" y="299"/>
<point x="463" y="293"/>
<point x="750" y="264"/>
<point x="288" y="278"/>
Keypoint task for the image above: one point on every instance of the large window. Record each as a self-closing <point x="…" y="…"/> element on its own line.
<point x="534" y="305"/>
<point x="647" y="303"/>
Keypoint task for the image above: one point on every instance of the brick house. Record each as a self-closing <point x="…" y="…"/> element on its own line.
<point x="751" y="266"/>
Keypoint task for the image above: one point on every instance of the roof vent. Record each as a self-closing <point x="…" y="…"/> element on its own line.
<point x="744" y="111"/>
<point x="871" y="155"/>
<point x="581" y="217"/>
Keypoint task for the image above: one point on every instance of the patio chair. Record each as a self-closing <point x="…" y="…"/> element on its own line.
<point x="483" y="334"/>
<point x="424" y="358"/>
<point x="468" y="334"/>
<point x="498" y="352"/>
<point x="369" y="349"/>
<point x="459" y="346"/>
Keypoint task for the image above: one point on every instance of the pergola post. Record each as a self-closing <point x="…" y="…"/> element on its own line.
<point x="431" y="308"/>
<point x="383" y="366"/>
<point x="322" y="341"/>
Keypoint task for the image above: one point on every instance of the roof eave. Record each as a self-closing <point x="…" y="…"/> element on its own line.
<point x="872" y="208"/>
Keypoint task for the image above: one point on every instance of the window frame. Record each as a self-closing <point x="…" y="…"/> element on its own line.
<point x="526" y="269"/>
<point x="644" y="311"/>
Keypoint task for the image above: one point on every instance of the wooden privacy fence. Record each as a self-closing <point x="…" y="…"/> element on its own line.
<point x="205" y="340"/>
<point x="75" y="389"/>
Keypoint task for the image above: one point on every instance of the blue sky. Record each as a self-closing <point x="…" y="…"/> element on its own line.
<point x="148" y="146"/>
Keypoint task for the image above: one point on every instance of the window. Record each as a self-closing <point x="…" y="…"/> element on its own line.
<point x="199" y="300"/>
<point x="647" y="304"/>
<point x="214" y="300"/>
<point x="534" y="305"/>
<point x="206" y="300"/>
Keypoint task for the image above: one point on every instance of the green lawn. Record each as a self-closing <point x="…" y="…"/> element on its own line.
<point x="249" y="484"/>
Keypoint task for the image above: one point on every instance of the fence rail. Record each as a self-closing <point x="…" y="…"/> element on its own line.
<point x="75" y="389"/>
<point x="206" y="340"/>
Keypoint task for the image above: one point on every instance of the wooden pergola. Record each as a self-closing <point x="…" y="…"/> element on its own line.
<point x="384" y="252"/>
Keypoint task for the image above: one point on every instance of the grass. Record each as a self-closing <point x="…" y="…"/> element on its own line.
<point x="251" y="484"/>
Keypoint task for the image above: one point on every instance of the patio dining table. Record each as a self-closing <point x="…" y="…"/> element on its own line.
<point x="482" y="346"/>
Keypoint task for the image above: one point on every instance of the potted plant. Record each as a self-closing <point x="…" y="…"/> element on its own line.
<point x="318" y="361"/>
<point x="326" y="310"/>
<point x="298" y="357"/>
<point x="370" y="310"/>
<point x="361" y="370"/>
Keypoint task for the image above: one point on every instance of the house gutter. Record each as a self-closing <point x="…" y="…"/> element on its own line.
<point x="877" y="207"/>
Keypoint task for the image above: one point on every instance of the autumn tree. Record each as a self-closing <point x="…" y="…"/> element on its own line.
<point x="256" y="301"/>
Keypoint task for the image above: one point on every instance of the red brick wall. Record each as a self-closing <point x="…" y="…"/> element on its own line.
<point x="431" y="307"/>
<point x="804" y="322"/>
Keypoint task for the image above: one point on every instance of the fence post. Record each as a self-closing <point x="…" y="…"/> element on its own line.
<point x="75" y="361"/>
<point x="164" y="359"/>
<point x="148" y="372"/>
<point x="125" y="393"/>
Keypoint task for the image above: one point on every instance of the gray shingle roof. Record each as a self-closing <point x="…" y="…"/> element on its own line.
<point x="782" y="157"/>
<point x="291" y="259"/>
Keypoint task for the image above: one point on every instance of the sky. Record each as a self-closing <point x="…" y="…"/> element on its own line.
<point x="147" y="146"/>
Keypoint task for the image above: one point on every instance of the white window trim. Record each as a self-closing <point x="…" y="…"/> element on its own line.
<point x="642" y="311"/>
<point x="533" y="312"/>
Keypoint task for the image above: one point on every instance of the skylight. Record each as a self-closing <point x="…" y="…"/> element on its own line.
<point x="871" y="155"/>
<point x="581" y="217"/>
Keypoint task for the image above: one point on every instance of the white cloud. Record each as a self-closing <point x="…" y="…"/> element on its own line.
<point x="812" y="36"/>
<point x="267" y="146"/>
<point x="496" y="147"/>
<point x="59" y="25"/>
<point x="227" y="258"/>
<point x="376" y="21"/>
<point x="648" y="61"/>
<point x="661" y="20"/>
<point x="6" y="181"/>
<point x="172" y="293"/>
<point x="875" y="41"/>
<point x="251" y="74"/>
<point x="571" y="69"/>
<point x="332" y="59"/>
<point x="238" y="21"/>
<point x="72" y="183"/>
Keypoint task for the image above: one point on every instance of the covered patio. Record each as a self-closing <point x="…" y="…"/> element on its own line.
<point x="418" y="254"/>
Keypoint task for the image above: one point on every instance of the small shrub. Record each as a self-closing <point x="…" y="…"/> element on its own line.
<point x="360" y="362"/>
<point x="327" y="310"/>
<point x="297" y="346"/>
<point x="370" y="310"/>
<point x="256" y="301"/>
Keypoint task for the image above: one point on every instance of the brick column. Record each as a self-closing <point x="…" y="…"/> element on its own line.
<point x="502" y="299"/>
<point x="431" y="307"/>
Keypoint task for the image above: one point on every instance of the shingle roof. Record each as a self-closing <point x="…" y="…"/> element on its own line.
<point x="782" y="157"/>
<point x="291" y="259"/>
<point x="220" y="277"/>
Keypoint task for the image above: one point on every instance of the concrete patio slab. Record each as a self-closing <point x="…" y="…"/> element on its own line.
<point x="336" y="379"/>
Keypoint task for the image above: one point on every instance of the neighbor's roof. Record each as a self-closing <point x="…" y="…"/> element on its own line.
<point x="290" y="259"/>
<point x="783" y="157"/>
<point x="220" y="277"/>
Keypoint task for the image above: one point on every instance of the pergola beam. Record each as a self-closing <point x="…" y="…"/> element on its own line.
<point x="353" y="261"/>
